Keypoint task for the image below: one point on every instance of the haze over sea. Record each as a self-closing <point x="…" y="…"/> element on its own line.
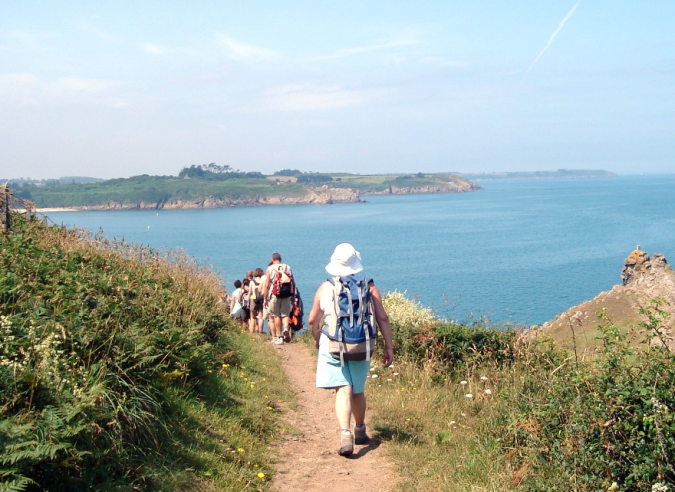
<point x="518" y="251"/>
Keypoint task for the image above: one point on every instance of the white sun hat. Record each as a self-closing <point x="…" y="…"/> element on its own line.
<point x="344" y="261"/>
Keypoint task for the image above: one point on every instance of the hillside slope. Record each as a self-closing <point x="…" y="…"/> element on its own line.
<point x="644" y="279"/>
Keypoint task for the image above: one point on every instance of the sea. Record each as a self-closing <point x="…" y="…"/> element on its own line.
<point x="517" y="252"/>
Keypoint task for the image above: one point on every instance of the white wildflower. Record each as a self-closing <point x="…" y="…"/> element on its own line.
<point x="469" y="395"/>
<point x="374" y="376"/>
<point x="463" y="383"/>
<point x="488" y="391"/>
<point x="484" y="378"/>
<point x="660" y="487"/>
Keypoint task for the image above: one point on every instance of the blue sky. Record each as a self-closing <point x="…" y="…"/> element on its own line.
<point x="116" y="89"/>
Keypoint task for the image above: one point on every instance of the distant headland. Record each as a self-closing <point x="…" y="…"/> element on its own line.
<point x="213" y="186"/>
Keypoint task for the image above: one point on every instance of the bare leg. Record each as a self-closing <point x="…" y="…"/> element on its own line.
<point x="343" y="406"/>
<point x="277" y="327"/>
<point x="358" y="401"/>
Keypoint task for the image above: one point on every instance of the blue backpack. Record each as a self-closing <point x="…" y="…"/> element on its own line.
<point x="353" y="333"/>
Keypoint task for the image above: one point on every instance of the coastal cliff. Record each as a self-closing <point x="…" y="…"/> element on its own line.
<point x="643" y="279"/>
<point x="312" y="197"/>
<point x="460" y="187"/>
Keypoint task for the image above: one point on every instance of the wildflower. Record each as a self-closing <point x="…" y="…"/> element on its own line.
<point x="395" y="374"/>
<point x="374" y="376"/>
<point x="269" y="408"/>
<point x="240" y="450"/>
<point x="463" y="383"/>
<point x="660" y="487"/>
<point x="484" y="378"/>
<point x="469" y="395"/>
<point x="225" y="366"/>
<point x="389" y="379"/>
<point x="488" y="391"/>
<point x="209" y="371"/>
<point x="613" y="487"/>
<point x="373" y="369"/>
<point x="252" y="385"/>
<point x="261" y="475"/>
<point x="452" y="422"/>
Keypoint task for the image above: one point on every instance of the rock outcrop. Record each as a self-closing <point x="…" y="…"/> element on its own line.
<point x="644" y="279"/>
<point x="317" y="196"/>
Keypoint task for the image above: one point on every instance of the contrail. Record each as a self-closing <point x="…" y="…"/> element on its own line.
<point x="555" y="33"/>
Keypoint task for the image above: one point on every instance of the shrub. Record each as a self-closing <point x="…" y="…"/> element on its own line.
<point x="94" y="337"/>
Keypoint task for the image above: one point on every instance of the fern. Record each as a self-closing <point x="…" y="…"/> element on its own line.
<point x="12" y="481"/>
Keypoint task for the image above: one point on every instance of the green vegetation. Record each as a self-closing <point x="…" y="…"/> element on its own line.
<point x="469" y="407"/>
<point x="195" y="184"/>
<point x="120" y="370"/>
<point x="156" y="190"/>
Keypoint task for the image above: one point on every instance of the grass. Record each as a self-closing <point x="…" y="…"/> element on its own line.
<point x="121" y="370"/>
<point x="536" y="419"/>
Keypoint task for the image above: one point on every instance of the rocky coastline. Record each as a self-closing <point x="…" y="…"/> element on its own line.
<point x="644" y="279"/>
<point x="315" y="196"/>
<point x="415" y="190"/>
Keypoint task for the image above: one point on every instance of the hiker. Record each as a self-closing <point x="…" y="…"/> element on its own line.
<point x="236" y="308"/>
<point x="278" y="290"/>
<point x="245" y="299"/>
<point x="256" y="300"/>
<point x="336" y="368"/>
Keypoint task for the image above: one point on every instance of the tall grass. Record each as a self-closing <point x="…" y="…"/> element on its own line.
<point x="120" y="370"/>
<point x="471" y="407"/>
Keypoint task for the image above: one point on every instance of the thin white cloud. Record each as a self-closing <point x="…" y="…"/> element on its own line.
<point x="346" y="52"/>
<point x="26" y="89"/>
<point x="238" y="50"/>
<point x="310" y="97"/>
<point x="550" y="40"/>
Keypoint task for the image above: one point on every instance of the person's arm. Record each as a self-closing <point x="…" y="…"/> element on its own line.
<point x="385" y="328"/>
<point x="315" y="316"/>
<point x="266" y="286"/>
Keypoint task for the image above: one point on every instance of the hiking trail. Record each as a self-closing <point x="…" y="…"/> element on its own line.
<point x="309" y="461"/>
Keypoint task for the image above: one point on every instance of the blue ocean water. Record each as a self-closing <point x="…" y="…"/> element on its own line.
<point x="518" y="251"/>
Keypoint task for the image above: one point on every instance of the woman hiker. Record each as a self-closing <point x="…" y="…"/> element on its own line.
<point x="347" y="377"/>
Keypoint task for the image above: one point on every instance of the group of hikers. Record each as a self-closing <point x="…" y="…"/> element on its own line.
<point x="346" y="313"/>
<point x="270" y="295"/>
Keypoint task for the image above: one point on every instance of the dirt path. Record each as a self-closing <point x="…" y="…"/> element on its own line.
<point x="312" y="462"/>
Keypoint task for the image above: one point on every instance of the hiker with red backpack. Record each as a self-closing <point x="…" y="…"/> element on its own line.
<point x="351" y="308"/>
<point x="278" y="290"/>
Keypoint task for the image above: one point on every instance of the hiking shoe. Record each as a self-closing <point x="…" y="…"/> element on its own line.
<point x="346" y="444"/>
<point x="279" y="341"/>
<point x="287" y="336"/>
<point x="360" y="436"/>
